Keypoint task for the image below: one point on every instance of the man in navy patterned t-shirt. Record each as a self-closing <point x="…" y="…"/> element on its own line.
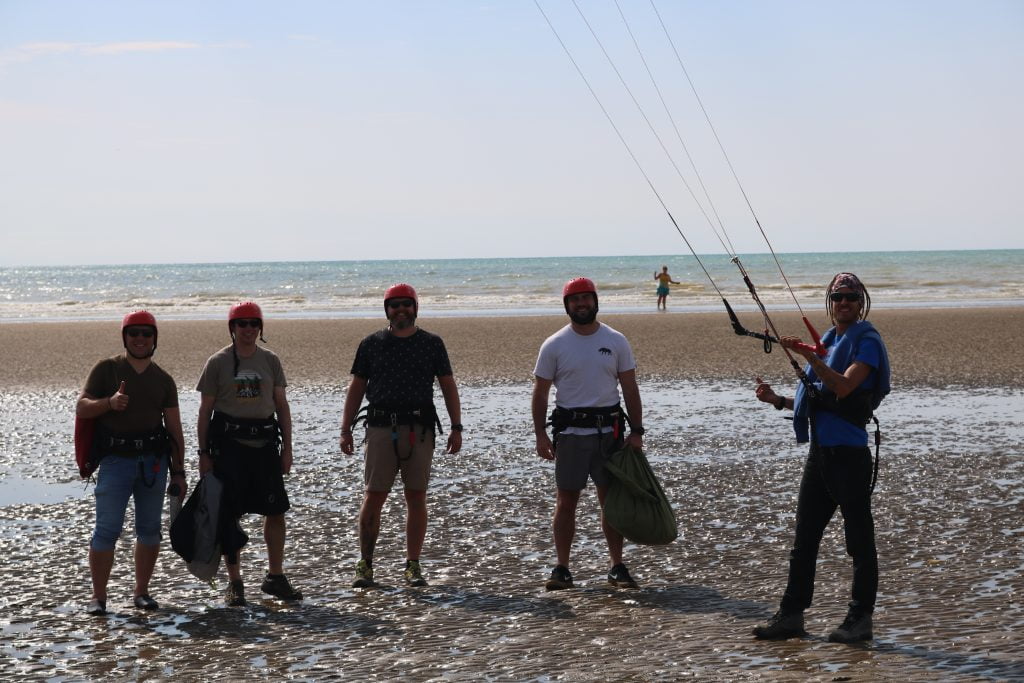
<point x="395" y="370"/>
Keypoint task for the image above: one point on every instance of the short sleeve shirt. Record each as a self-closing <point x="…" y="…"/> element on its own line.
<point x="400" y="371"/>
<point x="832" y="430"/>
<point x="247" y="394"/>
<point x="149" y="393"/>
<point x="585" y="368"/>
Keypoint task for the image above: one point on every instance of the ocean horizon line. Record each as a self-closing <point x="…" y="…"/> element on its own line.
<point x="708" y="255"/>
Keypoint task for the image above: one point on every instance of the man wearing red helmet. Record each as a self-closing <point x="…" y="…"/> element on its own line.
<point x="138" y="434"/>
<point x="587" y="362"/>
<point x="395" y="370"/>
<point x="245" y="438"/>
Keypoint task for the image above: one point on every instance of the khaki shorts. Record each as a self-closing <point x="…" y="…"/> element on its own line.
<point x="413" y="460"/>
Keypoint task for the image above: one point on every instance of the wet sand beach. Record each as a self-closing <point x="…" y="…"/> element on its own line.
<point x="949" y="510"/>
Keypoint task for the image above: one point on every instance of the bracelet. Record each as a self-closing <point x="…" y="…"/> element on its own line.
<point x="177" y="473"/>
<point x="203" y="451"/>
<point x="457" y="427"/>
<point x="638" y="430"/>
<point x="346" y="432"/>
<point x="781" y="403"/>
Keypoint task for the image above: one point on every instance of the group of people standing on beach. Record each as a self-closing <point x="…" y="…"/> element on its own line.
<point x="245" y="440"/>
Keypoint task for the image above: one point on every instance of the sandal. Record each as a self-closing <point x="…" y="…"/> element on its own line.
<point x="96" y="608"/>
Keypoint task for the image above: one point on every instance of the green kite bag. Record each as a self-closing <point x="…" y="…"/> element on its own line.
<point x="636" y="505"/>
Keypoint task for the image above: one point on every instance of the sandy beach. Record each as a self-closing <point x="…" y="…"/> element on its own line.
<point x="948" y="512"/>
<point x="930" y="347"/>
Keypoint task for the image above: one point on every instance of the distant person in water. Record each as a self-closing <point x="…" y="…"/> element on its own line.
<point x="664" y="280"/>
<point x="849" y="382"/>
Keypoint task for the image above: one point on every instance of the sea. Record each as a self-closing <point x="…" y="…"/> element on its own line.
<point x="504" y="286"/>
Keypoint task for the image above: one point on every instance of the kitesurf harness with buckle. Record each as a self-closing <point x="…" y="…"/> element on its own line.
<point x="375" y="415"/>
<point x="588" y="418"/>
<point x="224" y="426"/>
<point x="855" y="409"/>
<point x="137" y="444"/>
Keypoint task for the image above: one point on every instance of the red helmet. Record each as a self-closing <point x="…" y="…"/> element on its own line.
<point x="138" y="318"/>
<point x="401" y="290"/>
<point x="245" y="310"/>
<point x="578" y="285"/>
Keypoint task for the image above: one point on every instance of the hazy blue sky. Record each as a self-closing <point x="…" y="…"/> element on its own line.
<point x="319" y="130"/>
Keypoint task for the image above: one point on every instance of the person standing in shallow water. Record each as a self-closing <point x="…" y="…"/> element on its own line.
<point x="245" y="438"/>
<point x="138" y="432"/>
<point x="664" y="280"/>
<point x="395" y="370"/>
<point x="851" y="380"/>
<point x="587" y="362"/>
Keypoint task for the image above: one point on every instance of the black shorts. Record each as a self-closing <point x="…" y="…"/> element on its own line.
<point x="252" y="478"/>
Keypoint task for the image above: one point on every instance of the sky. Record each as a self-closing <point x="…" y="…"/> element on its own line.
<point x="196" y="131"/>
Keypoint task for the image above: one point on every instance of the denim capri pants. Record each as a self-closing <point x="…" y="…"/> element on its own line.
<point x="119" y="478"/>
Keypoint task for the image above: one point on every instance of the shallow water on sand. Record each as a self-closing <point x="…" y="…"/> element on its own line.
<point x="949" y="510"/>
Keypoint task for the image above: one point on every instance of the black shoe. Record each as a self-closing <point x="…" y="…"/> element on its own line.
<point x="96" y="608"/>
<point x="560" y="579"/>
<point x="855" y="628"/>
<point x="782" y="626"/>
<point x="235" y="597"/>
<point x="619" y="577"/>
<point x="278" y="586"/>
<point x="145" y="602"/>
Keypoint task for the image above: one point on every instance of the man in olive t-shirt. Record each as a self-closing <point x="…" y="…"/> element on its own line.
<point x="245" y="438"/>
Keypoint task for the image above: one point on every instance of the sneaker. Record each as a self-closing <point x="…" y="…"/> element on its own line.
<point x="782" y="626"/>
<point x="278" y="586"/>
<point x="145" y="602"/>
<point x="854" y="629"/>
<point x="235" y="596"/>
<point x="96" y="608"/>
<point x="619" y="577"/>
<point x="414" y="573"/>
<point x="364" y="575"/>
<point x="560" y="579"/>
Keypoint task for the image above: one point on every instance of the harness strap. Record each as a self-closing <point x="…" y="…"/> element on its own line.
<point x="587" y="418"/>
<point x="382" y="416"/>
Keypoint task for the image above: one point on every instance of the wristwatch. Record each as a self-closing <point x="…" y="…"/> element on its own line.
<point x="203" y="451"/>
<point x="781" y="403"/>
<point x="638" y="430"/>
<point x="457" y="427"/>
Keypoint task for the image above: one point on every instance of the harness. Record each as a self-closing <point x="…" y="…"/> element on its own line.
<point x="383" y="416"/>
<point x="224" y="426"/>
<point x="855" y="409"/>
<point x="135" y="444"/>
<point x="591" y="418"/>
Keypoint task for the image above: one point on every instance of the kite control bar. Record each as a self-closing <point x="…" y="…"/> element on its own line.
<point x="768" y="340"/>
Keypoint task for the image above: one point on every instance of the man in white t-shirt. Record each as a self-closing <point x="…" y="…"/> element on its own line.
<point x="587" y="362"/>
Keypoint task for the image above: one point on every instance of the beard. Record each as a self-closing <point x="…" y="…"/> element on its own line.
<point x="403" y="323"/>
<point x="148" y="354"/>
<point x="583" y="317"/>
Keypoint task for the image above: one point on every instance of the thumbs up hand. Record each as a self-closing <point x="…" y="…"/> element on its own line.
<point x="119" y="401"/>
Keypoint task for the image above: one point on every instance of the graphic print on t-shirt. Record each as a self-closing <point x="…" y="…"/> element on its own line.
<point x="247" y="385"/>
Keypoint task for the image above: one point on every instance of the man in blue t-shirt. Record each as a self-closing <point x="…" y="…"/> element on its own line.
<point x="849" y="382"/>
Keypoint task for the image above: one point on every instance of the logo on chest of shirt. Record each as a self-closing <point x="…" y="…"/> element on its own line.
<point x="247" y="385"/>
<point x="605" y="351"/>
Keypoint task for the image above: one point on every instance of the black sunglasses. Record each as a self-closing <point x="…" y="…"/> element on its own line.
<point x="397" y="303"/>
<point x="255" y="322"/>
<point x="844" y="296"/>
<point x="136" y="331"/>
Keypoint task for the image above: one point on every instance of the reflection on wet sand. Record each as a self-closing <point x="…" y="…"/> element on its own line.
<point x="948" y="509"/>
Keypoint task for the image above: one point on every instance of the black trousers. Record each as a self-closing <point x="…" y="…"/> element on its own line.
<point x="838" y="476"/>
